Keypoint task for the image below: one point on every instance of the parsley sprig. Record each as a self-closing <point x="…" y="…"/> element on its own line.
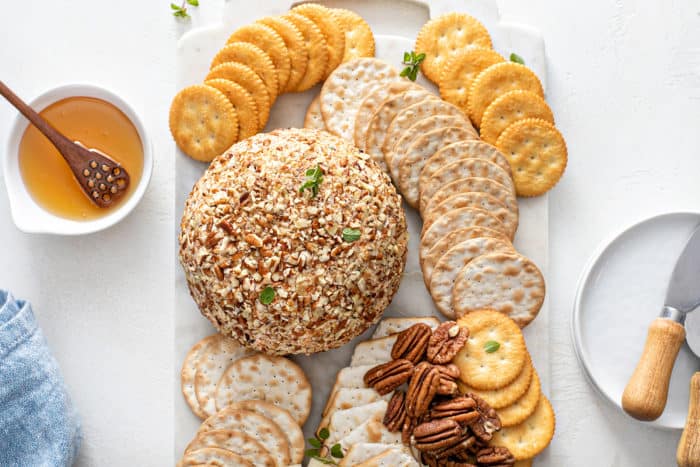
<point x="320" y="453"/>
<point x="180" y="11"/>
<point x="313" y="180"/>
<point x="516" y="58"/>
<point x="412" y="63"/>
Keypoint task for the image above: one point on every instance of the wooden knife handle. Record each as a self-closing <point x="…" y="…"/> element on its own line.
<point x="646" y="392"/>
<point x="688" y="453"/>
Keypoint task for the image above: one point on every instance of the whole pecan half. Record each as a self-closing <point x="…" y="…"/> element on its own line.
<point x="495" y="456"/>
<point x="409" y="424"/>
<point x="488" y="422"/>
<point x="412" y="343"/>
<point x="437" y="435"/>
<point x="431" y="461"/>
<point x="396" y="411"/>
<point x="464" y="445"/>
<point x="460" y="409"/>
<point x="448" y="379"/>
<point x="447" y="340"/>
<point x="388" y="376"/>
<point x="422" y="389"/>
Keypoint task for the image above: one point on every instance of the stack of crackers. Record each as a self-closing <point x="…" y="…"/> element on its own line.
<point x="494" y="364"/>
<point x="506" y="379"/>
<point x="462" y="186"/>
<point x="260" y="61"/>
<point x="504" y="99"/>
<point x="253" y="405"/>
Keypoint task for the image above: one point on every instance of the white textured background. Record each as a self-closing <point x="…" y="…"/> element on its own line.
<point x="624" y="83"/>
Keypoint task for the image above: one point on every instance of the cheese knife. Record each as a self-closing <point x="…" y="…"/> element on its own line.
<point x="645" y="396"/>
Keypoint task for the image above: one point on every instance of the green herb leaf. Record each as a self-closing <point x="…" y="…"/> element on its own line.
<point x="312" y="452"/>
<point x="267" y="295"/>
<point x="323" y="433"/>
<point x="412" y="63"/>
<point x="516" y="58"/>
<point x="193" y="2"/>
<point x="315" y="442"/>
<point x="323" y="460"/>
<point x="313" y="180"/>
<point x="351" y="235"/>
<point x="491" y="346"/>
<point x="337" y="451"/>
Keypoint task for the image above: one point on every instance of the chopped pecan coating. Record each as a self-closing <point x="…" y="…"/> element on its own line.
<point x="422" y="389"/>
<point x="388" y="376"/>
<point x="412" y="343"/>
<point x="396" y="411"/>
<point x="447" y="340"/>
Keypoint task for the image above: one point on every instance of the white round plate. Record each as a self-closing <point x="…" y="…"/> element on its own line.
<point x="619" y="294"/>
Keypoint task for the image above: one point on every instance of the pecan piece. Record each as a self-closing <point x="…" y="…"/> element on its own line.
<point x="422" y="389"/>
<point x="412" y="343"/>
<point x="409" y="424"/>
<point x="396" y="412"/>
<point x="464" y="445"/>
<point x="431" y="461"/>
<point x="388" y="376"/>
<point x="448" y="380"/>
<point x="488" y="421"/>
<point x="437" y="435"/>
<point x="460" y="409"/>
<point x="495" y="457"/>
<point x="447" y="340"/>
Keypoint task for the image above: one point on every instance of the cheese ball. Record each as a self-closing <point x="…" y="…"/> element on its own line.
<point x="293" y="242"/>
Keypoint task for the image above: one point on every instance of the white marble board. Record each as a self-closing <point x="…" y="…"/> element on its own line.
<point x="395" y="24"/>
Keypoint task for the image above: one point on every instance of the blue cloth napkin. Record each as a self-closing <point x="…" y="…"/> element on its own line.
<point x="38" y="424"/>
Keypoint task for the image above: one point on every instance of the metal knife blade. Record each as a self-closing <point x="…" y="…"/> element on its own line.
<point x="683" y="292"/>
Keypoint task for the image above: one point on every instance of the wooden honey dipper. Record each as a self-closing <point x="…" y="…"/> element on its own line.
<point x="100" y="177"/>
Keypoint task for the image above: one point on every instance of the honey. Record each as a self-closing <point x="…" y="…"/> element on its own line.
<point x="97" y="124"/>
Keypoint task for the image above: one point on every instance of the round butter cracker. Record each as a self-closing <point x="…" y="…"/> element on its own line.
<point x="497" y="80"/>
<point x="442" y="37"/>
<point x="203" y="122"/>
<point x="531" y="437"/>
<point x="330" y="28"/>
<point x="507" y="395"/>
<point x="243" y="102"/>
<point x="296" y="48"/>
<point x="506" y="282"/>
<point x="537" y="153"/>
<point x="316" y="51"/>
<point x="253" y="57"/>
<point x="508" y="109"/>
<point x="248" y="80"/>
<point x="359" y="40"/>
<point x="523" y="407"/>
<point x="491" y="370"/>
<point x="461" y="69"/>
<point x="271" y="43"/>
